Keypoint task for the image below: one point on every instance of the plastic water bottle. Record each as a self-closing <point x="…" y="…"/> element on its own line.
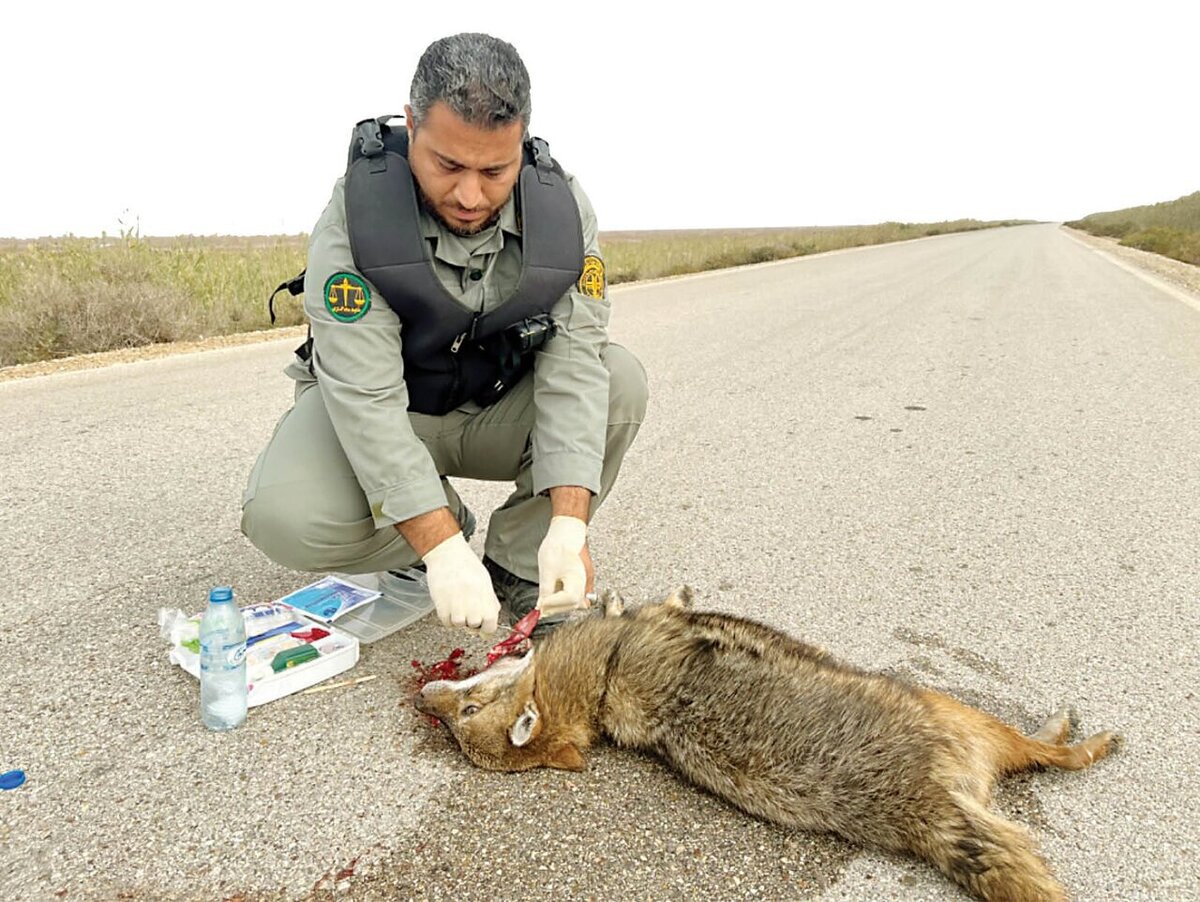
<point x="222" y="662"/>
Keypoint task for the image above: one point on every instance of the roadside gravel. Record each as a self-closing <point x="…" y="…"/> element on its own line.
<point x="1178" y="273"/>
<point x="130" y="355"/>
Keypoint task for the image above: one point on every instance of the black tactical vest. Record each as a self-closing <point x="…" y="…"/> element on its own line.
<point x="453" y="353"/>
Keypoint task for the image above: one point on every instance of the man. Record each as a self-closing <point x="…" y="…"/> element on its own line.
<point x="459" y="320"/>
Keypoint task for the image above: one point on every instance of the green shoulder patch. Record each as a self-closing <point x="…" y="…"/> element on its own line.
<point x="347" y="296"/>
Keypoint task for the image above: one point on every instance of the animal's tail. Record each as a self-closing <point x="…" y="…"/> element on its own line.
<point x="993" y="858"/>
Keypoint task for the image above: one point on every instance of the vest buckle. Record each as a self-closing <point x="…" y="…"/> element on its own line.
<point x="543" y="163"/>
<point x="370" y="137"/>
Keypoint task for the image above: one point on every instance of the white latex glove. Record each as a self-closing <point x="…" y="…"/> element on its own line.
<point x="460" y="586"/>
<point x="562" y="578"/>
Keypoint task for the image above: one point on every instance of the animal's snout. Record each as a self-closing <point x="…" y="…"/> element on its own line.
<point x="428" y="699"/>
<point x="419" y="701"/>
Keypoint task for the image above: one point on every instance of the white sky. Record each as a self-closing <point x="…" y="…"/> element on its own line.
<point x="233" y="118"/>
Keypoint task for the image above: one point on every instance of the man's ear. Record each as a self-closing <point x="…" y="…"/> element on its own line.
<point x="566" y="757"/>
<point x="409" y="122"/>
<point x="523" y="727"/>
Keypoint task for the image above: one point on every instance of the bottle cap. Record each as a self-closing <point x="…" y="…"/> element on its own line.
<point x="12" y="779"/>
<point x="220" y="593"/>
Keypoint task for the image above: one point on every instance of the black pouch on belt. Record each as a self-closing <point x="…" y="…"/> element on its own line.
<point x="512" y="351"/>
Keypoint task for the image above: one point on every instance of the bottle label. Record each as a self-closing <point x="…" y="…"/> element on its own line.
<point x="220" y="656"/>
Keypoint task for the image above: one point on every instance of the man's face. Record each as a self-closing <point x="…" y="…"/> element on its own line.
<point x="465" y="173"/>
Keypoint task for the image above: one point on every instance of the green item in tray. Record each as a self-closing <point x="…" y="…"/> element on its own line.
<point x="292" y="656"/>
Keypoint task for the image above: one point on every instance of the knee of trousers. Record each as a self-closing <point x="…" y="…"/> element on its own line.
<point x="628" y="389"/>
<point x="281" y="525"/>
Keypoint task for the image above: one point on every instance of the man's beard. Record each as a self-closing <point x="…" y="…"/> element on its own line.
<point x="461" y="232"/>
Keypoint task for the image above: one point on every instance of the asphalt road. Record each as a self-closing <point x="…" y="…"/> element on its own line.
<point x="970" y="460"/>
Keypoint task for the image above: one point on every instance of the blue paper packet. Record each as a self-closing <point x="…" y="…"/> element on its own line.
<point x="329" y="598"/>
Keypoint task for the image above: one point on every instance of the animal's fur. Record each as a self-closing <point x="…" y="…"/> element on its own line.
<point x="777" y="727"/>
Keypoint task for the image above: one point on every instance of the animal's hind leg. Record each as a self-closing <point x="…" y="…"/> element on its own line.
<point x="1057" y="727"/>
<point x="1077" y="756"/>
<point x="992" y="748"/>
<point x="1023" y="752"/>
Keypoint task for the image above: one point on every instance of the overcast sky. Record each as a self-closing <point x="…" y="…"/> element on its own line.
<point x="233" y="118"/>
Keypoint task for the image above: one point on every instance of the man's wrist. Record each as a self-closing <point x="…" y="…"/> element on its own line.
<point x="425" y="532"/>
<point x="571" y="501"/>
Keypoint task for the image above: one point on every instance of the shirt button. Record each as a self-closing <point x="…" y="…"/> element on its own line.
<point x="476" y="275"/>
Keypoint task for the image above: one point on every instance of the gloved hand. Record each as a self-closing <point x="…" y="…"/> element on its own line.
<point x="562" y="578"/>
<point x="460" y="586"/>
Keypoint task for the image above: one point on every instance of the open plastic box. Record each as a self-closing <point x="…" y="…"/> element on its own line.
<point x="338" y="652"/>
<point x="405" y="600"/>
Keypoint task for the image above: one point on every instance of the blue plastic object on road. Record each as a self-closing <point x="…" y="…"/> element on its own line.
<point x="12" y="779"/>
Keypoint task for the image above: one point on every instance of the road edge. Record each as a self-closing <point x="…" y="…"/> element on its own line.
<point x="1179" y="294"/>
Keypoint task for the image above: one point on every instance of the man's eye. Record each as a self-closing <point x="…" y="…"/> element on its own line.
<point x="468" y="710"/>
<point x="493" y="173"/>
<point x="450" y="167"/>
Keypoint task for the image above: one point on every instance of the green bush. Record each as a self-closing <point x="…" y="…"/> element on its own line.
<point x="1181" y="214"/>
<point x="1174" y="243"/>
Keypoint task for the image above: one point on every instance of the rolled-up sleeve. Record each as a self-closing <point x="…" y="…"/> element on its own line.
<point x="361" y="378"/>
<point x="570" y="386"/>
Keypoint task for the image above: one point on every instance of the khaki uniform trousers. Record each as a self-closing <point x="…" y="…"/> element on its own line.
<point x="304" y="509"/>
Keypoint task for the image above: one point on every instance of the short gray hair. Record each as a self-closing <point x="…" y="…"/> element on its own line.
<point x="481" y="78"/>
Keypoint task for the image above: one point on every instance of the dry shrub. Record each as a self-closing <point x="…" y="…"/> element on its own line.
<point x="50" y="317"/>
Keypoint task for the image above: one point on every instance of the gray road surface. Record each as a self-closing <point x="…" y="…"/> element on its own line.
<point x="970" y="460"/>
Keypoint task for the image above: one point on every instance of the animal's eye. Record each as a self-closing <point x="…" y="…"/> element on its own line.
<point x="468" y="710"/>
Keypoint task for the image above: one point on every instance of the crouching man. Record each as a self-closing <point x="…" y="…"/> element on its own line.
<point x="459" y="327"/>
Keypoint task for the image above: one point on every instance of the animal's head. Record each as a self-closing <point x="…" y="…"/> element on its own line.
<point x="496" y="720"/>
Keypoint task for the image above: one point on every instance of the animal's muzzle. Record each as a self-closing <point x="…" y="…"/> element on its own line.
<point x="422" y="703"/>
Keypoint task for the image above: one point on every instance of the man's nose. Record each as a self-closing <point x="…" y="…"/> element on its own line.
<point x="468" y="192"/>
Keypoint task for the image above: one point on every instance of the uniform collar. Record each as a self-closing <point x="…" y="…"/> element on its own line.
<point x="457" y="251"/>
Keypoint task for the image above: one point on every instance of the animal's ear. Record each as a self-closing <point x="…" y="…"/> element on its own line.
<point x="566" y="757"/>
<point x="522" y="729"/>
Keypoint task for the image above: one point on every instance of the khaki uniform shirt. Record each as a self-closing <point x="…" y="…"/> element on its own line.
<point x="360" y="372"/>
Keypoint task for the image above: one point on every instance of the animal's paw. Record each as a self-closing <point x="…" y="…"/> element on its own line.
<point x="1113" y="742"/>
<point x="681" y="598"/>
<point x="1095" y="747"/>
<point x="611" y="603"/>
<point x="1058" y="727"/>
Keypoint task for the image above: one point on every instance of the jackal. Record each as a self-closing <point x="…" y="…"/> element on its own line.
<point x="777" y="727"/>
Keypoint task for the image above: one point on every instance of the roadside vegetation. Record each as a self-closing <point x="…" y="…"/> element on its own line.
<point x="1171" y="228"/>
<point x="66" y="296"/>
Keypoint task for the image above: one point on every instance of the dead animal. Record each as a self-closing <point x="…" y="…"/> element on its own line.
<point x="776" y="726"/>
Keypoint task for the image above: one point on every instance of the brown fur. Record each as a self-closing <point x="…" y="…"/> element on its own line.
<point x="775" y="726"/>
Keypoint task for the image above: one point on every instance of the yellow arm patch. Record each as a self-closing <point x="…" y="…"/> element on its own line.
<point x="592" y="281"/>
